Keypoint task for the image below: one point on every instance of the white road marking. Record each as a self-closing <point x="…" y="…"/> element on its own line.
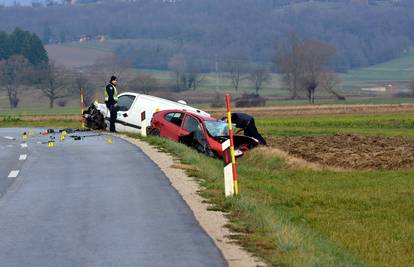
<point x="23" y="145"/>
<point x="9" y="137"/>
<point x="13" y="174"/>
<point x="23" y="157"/>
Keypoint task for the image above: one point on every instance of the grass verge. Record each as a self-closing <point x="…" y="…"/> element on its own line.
<point x="9" y="122"/>
<point x="310" y="218"/>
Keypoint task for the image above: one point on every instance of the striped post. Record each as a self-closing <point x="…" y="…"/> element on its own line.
<point x="143" y="124"/>
<point x="82" y="108"/>
<point x="233" y="158"/>
<point x="228" y="169"/>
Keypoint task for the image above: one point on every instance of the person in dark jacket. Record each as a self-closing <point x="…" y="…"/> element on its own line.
<point x="246" y="122"/>
<point x="111" y="100"/>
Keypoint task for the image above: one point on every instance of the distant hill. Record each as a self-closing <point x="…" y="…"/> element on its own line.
<point x="363" y="32"/>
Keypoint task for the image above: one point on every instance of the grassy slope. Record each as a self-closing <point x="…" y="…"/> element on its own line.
<point x="312" y="218"/>
<point x="300" y="217"/>
<point x="399" y="69"/>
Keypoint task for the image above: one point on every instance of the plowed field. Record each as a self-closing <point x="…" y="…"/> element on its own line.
<point x="351" y="151"/>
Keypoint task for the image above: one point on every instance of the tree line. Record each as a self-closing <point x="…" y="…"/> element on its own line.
<point x="155" y="30"/>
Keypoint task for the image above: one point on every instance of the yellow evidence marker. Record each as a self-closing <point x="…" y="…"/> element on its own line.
<point x="50" y="144"/>
<point x="24" y="136"/>
<point x="64" y="133"/>
<point x="109" y="140"/>
<point x="30" y="133"/>
<point x="62" y="137"/>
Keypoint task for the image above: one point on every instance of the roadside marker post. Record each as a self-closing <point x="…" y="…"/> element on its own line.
<point x="228" y="169"/>
<point x="82" y="108"/>
<point x="143" y="124"/>
<point x="233" y="158"/>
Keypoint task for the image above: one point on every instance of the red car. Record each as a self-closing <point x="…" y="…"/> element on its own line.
<point x="206" y="134"/>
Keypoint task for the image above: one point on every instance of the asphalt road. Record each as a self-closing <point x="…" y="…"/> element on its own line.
<point x="89" y="203"/>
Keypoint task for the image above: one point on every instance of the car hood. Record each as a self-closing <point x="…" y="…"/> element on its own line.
<point x="239" y="140"/>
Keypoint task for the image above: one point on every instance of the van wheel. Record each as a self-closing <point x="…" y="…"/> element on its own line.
<point x="154" y="132"/>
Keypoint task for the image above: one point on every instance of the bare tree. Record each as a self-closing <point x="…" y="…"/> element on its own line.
<point x="82" y="81"/>
<point x="302" y="64"/>
<point x="55" y="82"/>
<point x="15" y="72"/>
<point x="289" y="64"/>
<point x="104" y="68"/>
<point x="258" y="77"/>
<point x="236" y="67"/>
<point x="143" y="82"/>
<point x="186" y="73"/>
<point x="329" y="81"/>
<point x="178" y="66"/>
<point x="193" y="77"/>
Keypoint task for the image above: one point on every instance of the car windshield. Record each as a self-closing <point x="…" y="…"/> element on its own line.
<point x="217" y="128"/>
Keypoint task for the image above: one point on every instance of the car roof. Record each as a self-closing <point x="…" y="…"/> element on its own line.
<point x="200" y="117"/>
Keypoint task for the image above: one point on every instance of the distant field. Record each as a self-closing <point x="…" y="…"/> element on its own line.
<point x="72" y="56"/>
<point x="400" y="69"/>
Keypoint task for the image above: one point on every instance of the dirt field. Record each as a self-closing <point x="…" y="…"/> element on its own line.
<point x="74" y="56"/>
<point x="351" y="151"/>
<point x="311" y="110"/>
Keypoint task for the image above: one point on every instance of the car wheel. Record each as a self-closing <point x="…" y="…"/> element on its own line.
<point x="154" y="132"/>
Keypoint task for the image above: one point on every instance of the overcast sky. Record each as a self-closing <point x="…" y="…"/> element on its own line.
<point x="22" y="2"/>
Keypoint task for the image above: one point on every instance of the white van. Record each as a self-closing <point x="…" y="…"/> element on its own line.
<point x="131" y="105"/>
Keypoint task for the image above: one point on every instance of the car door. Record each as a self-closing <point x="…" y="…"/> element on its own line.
<point x="126" y="120"/>
<point x="190" y="124"/>
<point x="172" y="125"/>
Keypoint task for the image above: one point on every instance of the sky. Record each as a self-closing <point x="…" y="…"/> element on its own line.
<point x="22" y="2"/>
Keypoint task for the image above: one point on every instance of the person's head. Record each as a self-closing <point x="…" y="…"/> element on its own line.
<point x="113" y="80"/>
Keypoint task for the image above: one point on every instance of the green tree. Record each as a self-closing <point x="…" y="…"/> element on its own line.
<point x="29" y="45"/>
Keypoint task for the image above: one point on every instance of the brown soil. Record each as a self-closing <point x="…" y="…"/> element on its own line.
<point x="312" y="110"/>
<point x="350" y="151"/>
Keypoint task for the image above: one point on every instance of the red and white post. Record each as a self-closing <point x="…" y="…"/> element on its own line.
<point x="230" y="170"/>
<point x="143" y="124"/>
<point x="82" y="108"/>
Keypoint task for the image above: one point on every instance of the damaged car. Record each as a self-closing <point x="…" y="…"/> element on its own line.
<point x="204" y="133"/>
<point x="130" y="106"/>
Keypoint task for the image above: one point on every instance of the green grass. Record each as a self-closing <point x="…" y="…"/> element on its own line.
<point x="39" y="111"/>
<point x="399" y="69"/>
<point x="311" y="218"/>
<point x="379" y="125"/>
<point x="15" y="121"/>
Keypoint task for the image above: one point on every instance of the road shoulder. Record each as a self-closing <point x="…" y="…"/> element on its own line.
<point x="213" y="222"/>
